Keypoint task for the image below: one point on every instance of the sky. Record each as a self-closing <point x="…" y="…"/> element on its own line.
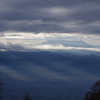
<point x="50" y="25"/>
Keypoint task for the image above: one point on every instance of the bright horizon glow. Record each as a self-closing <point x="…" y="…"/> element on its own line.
<point x="49" y="41"/>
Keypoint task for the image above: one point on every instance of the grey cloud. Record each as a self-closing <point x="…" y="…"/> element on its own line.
<point x="10" y="46"/>
<point x="19" y="15"/>
<point x="46" y="3"/>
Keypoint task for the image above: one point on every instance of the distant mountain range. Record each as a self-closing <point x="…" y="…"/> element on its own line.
<point x="49" y="66"/>
<point x="48" y="75"/>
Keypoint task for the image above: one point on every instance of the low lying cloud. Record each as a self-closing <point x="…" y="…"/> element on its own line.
<point x="45" y="41"/>
<point x="33" y="46"/>
<point x="22" y="35"/>
<point x="61" y="47"/>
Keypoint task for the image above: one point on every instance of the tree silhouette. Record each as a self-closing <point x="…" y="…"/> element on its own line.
<point x="27" y="96"/>
<point x="1" y="87"/>
<point x="94" y="94"/>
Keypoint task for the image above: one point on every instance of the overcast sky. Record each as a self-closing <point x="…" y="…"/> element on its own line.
<point x="43" y="19"/>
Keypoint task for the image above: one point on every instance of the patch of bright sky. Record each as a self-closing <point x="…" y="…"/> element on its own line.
<point x="40" y="41"/>
<point x="55" y="11"/>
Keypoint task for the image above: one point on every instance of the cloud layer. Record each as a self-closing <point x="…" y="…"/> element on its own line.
<point x="50" y="16"/>
<point x="66" y="42"/>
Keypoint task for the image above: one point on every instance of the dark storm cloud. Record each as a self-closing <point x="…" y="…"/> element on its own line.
<point x="70" y="16"/>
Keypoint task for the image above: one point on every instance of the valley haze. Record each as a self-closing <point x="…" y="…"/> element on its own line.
<point x="48" y="74"/>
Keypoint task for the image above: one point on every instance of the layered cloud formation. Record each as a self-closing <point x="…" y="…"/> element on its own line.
<point x="56" y="41"/>
<point x="50" y="24"/>
<point x="50" y="16"/>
